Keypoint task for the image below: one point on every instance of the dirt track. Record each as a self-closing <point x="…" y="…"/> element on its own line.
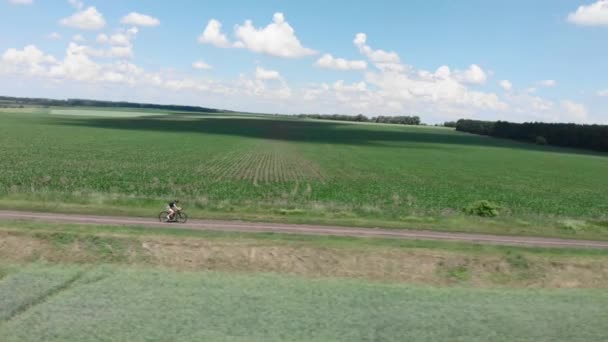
<point x="239" y="226"/>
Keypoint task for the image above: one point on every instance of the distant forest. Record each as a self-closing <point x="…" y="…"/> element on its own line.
<point x="6" y="101"/>
<point x="591" y="137"/>
<point x="398" y="120"/>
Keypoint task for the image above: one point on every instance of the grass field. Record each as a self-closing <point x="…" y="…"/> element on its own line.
<point x="92" y="303"/>
<point x="414" y="262"/>
<point x="276" y="168"/>
<point x="70" y="282"/>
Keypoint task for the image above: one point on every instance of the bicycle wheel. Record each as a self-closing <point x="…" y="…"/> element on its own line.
<point x="182" y="217"/>
<point x="162" y="217"/>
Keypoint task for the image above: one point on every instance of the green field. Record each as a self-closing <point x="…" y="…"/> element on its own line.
<point x="282" y="169"/>
<point x="92" y="303"/>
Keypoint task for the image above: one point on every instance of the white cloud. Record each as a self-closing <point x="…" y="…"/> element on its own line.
<point x="574" y="112"/>
<point x="594" y="14"/>
<point x="439" y="90"/>
<point x="439" y="95"/>
<point x="54" y="36"/>
<point x="76" y="4"/>
<point x="473" y="75"/>
<point x="78" y="38"/>
<point x="355" y="87"/>
<point x="120" y="39"/>
<point x="30" y="61"/>
<point x="530" y="90"/>
<point x="121" y="45"/>
<point x="201" y="65"/>
<point x="263" y="74"/>
<point x="21" y="2"/>
<point x="102" y="38"/>
<point x="383" y="60"/>
<point x="603" y="92"/>
<point x="400" y="86"/>
<point x="276" y="39"/>
<point x="506" y="85"/>
<point x="327" y="61"/>
<point x="213" y="35"/>
<point x="271" y="92"/>
<point x="547" y="83"/>
<point x="139" y="19"/>
<point x="132" y="32"/>
<point x="89" y="19"/>
<point x="120" y="52"/>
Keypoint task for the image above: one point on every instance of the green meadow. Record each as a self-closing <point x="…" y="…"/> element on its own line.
<point x="93" y="303"/>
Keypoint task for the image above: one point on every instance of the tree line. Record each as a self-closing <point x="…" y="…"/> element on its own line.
<point x="20" y="101"/>
<point x="591" y="137"/>
<point x="398" y="120"/>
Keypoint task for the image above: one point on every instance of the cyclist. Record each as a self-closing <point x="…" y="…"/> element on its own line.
<point x="172" y="208"/>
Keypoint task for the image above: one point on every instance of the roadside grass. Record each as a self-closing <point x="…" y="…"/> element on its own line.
<point x="289" y="170"/>
<point x="81" y="303"/>
<point x="385" y="260"/>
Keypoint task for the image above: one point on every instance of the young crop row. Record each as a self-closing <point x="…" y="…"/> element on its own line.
<point x="262" y="165"/>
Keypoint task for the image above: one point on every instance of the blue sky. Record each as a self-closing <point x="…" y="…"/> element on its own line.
<point x="442" y="60"/>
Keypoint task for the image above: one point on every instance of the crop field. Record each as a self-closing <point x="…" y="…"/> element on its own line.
<point x="280" y="168"/>
<point x="90" y="303"/>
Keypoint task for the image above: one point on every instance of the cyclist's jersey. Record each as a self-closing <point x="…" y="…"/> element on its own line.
<point x="172" y="205"/>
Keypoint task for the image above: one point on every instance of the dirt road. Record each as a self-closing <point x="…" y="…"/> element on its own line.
<point x="256" y="227"/>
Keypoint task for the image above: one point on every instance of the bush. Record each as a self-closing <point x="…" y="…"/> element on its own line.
<point x="540" y="140"/>
<point x="482" y="208"/>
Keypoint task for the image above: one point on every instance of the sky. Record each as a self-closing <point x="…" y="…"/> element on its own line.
<point x="542" y="60"/>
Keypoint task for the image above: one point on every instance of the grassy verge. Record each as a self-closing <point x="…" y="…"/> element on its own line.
<point x="421" y="262"/>
<point x="78" y="303"/>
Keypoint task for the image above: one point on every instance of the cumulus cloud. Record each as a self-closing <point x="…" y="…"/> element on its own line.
<point x="120" y="52"/>
<point x="547" y="83"/>
<point x="121" y="43"/>
<point x="201" y="65"/>
<point x="574" y="112"/>
<point x="262" y="90"/>
<point x="277" y="39"/>
<point x="399" y="86"/>
<point x="88" y="19"/>
<point x="595" y="14"/>
<point x="102" y="38"/>
<point x="473" y="75"/>
<point x="213" y="35"/>
<point x="383" y="60"/>
<point x="327" y="61"/>
<point x="506" y="85"/>
<point x="54" y="36"/>
<point x="264" y="74"/>
<point x="78" y="38"/>
<point x="76" y="4"/>
<point x="119" y="39"/>
<point x="139" y="19"/>
<point x="439" y="89"/>
<point x="29" y="61"/>
<point x="603" y="92"/>
<point x="21" y="2"/>
<point x="77" y="65"/>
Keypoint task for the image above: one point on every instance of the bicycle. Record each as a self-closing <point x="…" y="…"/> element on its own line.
<point x="179" y="217"/>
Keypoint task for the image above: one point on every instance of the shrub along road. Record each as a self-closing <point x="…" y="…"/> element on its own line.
<point x="257" y="227"/>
